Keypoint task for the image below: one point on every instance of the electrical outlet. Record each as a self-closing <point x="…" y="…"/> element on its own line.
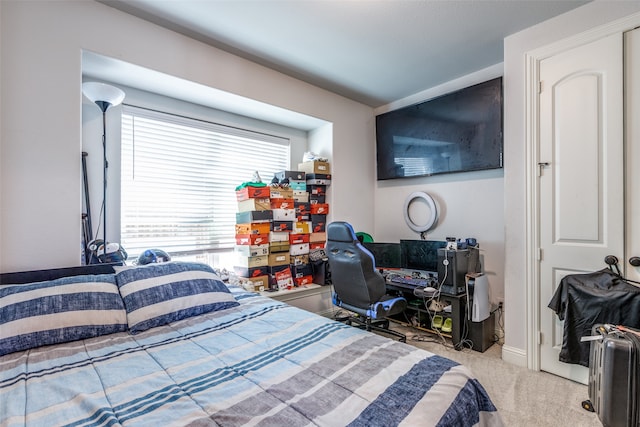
<point x="500" y="305"/>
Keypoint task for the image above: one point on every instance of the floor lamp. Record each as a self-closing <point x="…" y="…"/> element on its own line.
<point x="104" y="96"/>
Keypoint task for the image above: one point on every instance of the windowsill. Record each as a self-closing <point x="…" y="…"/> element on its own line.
<point x="295" y="293"/>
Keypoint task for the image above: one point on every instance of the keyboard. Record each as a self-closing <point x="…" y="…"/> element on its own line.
<point x="411" y="281"/>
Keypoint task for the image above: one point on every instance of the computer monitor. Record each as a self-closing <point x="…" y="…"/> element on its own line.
<point x="420" y="254"/>
<point x="387" y="255"/>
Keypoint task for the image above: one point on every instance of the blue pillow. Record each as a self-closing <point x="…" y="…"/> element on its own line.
<point x="157" y="294"/>
<point x="57" y="311"/>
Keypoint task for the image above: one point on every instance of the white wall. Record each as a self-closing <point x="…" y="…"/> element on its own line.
<point x="515" y="47"/>
<point x="469" y="204"/>
<point x="41" y="74"/>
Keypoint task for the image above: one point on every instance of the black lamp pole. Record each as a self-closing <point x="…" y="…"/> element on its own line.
<point x="104" y="96"/>
<point x="105" y="165"/>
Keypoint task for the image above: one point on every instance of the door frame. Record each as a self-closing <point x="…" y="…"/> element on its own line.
<point x="532" y="144"/>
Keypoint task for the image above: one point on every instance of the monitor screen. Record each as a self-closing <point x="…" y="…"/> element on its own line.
<point x="420" y="254"/>
<point x="387" y="255"/>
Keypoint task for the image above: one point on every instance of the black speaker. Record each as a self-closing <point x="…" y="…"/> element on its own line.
<point x="482" y="333"/>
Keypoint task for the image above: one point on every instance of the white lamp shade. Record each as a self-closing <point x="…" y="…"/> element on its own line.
<point x="103" y="93"/>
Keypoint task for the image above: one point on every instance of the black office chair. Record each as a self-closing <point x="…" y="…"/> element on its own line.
<point x="358" y="286"/>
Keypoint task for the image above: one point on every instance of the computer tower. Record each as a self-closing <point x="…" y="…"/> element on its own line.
<point x="452" y="268"/>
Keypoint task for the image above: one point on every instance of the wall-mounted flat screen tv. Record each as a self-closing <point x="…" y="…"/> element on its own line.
<point x="457" y="132"/>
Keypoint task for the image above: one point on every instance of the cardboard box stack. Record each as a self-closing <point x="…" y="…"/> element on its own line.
<point x="253" y="225"/>
<point x="318" y="178"/>
<point x="292" y="221"/>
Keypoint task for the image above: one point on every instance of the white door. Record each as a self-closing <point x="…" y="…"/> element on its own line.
<point x="581" y="182"/>
<point x="632" y="152"/>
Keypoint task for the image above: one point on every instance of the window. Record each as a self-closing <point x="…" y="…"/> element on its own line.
<point x="178" y="179"/>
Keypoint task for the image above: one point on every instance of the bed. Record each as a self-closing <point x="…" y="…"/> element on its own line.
<point x="187" y="358"/>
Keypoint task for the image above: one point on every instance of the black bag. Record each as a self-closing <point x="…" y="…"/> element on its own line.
<point x="320" y="266"/>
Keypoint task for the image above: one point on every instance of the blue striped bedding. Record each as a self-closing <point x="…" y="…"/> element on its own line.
<point x="262" y="363"/>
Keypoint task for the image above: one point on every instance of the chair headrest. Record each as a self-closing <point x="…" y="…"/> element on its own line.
<point x="340" y="231"/>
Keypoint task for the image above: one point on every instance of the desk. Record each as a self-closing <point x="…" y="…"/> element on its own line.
<point x="458" y="312"/>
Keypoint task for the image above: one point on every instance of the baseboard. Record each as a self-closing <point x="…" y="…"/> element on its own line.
<point x="515" y="356"/>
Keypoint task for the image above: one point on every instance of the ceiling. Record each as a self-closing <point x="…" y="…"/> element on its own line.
<point x="372" y="51"/>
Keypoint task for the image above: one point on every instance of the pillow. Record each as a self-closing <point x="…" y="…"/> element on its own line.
<point x="57" y="311"/>
<point x="157" y="294"/>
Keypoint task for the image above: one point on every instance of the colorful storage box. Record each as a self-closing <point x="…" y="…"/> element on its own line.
<point x="262" y="204"/>
<point x="253" y="193"/>
<point x="299" y="259"/>
<point x="298" y="185"/>
<point x="317" y="190"/>
<point x="299" y="249"/>
<point x="279" y="258"/>
<point x="252" y="239"/>
<point x="249" y="272"/>
<point x="319" y="209"/>
<point x="315" y="167"/>
<point x="282" y="203"/>
<point x="319" y="223"/>
<point x="282" y="226"/>
<point x="281" y="193"/>
<point x="290" y="175"/>
<point x="275" y="247"/>
<point x="279" y="236"/>
<point x="303" y="280"/>
<point x="295" y="239"/>
<point x="318" y="237"/>
<point x="248" y="250"/>
<point x="302" y="227"/>
<point x="300" y="196"/>
<point x="302" y="208"/>
<point x="253" y="216"/>
<point x="258" y="284"/>
<point x="317" y="199"/>
<point x="252" y="261"/>
<point x="253" y="228"/>
<point x="284" y="214"/>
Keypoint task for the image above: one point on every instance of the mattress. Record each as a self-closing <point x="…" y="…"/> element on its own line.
<point x="263" y="363"/>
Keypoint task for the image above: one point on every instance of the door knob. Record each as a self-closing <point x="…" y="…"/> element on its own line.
<point x="635" y="261"/>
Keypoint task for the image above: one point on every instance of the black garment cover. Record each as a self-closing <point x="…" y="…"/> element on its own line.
<point x="582" y="300"/>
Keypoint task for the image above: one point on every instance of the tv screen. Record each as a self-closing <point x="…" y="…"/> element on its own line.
<point x="387" y="255"/>
<point x="457" y="132"/>
<point x="420" y="254"/>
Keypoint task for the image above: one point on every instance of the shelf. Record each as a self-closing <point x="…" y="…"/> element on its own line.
<point x="298" y="291"/>
<point x="422" y="328"/>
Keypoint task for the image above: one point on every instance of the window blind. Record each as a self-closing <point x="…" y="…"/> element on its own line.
<point x="179" y="175"/>
<point x="414" y="166"/>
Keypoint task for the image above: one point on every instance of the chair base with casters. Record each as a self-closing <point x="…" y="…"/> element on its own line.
<point x="373" y="319"/>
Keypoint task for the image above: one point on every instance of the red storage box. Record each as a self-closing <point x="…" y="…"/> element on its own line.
<point x="253" y="193"/>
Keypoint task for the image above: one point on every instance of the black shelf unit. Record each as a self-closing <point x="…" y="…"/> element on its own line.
<point x="458" y="313"/>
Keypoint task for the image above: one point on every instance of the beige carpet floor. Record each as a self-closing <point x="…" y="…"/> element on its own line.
<point x="523" y="397"/>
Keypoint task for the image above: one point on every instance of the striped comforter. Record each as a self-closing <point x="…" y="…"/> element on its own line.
<point x="263" y="363"/>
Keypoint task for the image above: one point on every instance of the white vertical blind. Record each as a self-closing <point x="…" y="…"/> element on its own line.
<point x="179" y="176"/>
